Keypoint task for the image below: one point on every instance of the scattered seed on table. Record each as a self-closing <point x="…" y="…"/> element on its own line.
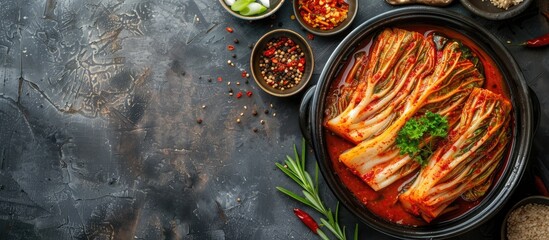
<point x="274" y="114"/>
<point x="229" y="62"/>
<point x="229" y="29"/>
<point x="228" y="83"/>
<point x="234" y="55"/>
<point x="199" y="77"/>
<point x="249" y="93"/>
<point x="266" y="111"/>
<point x="254" y="129"/>
<point x="239" y="95"/>
<point x="199" y="120"/>
<point x="241" y="114"/>
<point x="230" y="47"/>
<point x="238" y="83"/>
<point x="219" y="79"/>
<point x="203" y="106"/>
<point x="236" y="41"/>
<point x="230" y="94"/>
<point x="230" y="90"/>
<point x="238" y="120"/>
<point x="245" y="107"/>
<point x="238" y="200"/>
<point x="254" y="112"/>
<point x="246" y="82"/>
<point x="262" y="122"/>
<point x="209" y="79"/>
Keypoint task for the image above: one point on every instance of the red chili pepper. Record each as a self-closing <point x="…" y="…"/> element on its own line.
<point x="239" y="95"/>
<point x="541" y="186"/>
<point x="244" y="74"/>
<point x="229" y="29"/>
<point x="230" y="47"/>
<point x="306" y="219"/>
<point x="540" y="41"/>
<point x="310" y="36"/>
<point x="219" y="79"/>
<point x="249" y="93"/>
<point x="269" y="52"/>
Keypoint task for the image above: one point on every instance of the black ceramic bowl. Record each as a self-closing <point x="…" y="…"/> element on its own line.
<point x="486" y="9"/>
<point x="532" y="199"/>
<point x="313" y="105"/>
<point x="351" y="14"/>
<point x="258" y="49"/>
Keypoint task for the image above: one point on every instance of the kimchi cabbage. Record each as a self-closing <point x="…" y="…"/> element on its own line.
<point x="423" y="77"/>
<point x="407" y="75"/>
<point x="463" y="166"/>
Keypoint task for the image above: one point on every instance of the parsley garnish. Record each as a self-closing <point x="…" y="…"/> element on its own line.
<point x="415" y="130"/>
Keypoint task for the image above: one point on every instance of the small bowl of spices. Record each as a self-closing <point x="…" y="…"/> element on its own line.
<point x="496" y="9"/>
<point x="528" y="219"/>
<point x="282" y="62"/>
<point x="325" y="17"/>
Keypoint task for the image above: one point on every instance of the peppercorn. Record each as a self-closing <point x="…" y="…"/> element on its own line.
<point x="282" y="63"/>
<point x="199" y="120"/>
<point x="236" y="41"/>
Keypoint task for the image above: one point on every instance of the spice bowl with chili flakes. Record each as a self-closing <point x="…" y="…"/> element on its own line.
<point x="282" y="62"/>
<point x="325" y="17"/>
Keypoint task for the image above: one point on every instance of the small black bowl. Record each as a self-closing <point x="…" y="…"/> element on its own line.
<point x="351" y="14"/>
<point x="486" y="9"/>
<point x="256" y="55"/>
<point x="533" y="199"/>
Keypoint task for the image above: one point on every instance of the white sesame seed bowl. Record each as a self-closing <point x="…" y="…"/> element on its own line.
<point x="527" y="219"/>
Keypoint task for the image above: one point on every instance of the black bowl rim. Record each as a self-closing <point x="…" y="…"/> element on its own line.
<point x="520" y="147"/>
<point x="330" y="32"/>
<point x="308" y="74"/>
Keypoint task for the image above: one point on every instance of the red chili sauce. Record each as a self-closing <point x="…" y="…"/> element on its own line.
<point x="385" y="203"/>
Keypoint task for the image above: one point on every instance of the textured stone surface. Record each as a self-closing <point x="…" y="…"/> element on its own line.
<point x="99" y="139"/>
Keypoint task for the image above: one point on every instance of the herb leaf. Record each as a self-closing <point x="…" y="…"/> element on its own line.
<point x="295" y="168"/>
<point x="416" y="130"/>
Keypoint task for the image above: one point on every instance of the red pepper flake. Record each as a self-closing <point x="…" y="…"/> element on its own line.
<point x="244" y="74"/>
<point x="306" y="219"/>
<point x="219" y="79"/>
<point x="230" y="47"/>
<point x="249" y="93"/>
<point x="229" y="29"/>
<point x="310" y="36"/>
<point x="239" y="95"/>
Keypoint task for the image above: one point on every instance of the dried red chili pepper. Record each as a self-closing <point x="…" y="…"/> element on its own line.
<point x="230" y="47"/>
<point x="540" y="41"/>
<point x="249" y="93"/>
<point x="306" y="219"/>
<point x="244" y="74"/>
<point x="219" y="79"/>
<point x="229" y="29"/>
<point x="239" y="95"/>
<point x="540" y="186"/>
<point x="269" y="52"/>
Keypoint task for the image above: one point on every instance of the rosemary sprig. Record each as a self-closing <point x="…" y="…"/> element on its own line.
<point x="296" y="169"/>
